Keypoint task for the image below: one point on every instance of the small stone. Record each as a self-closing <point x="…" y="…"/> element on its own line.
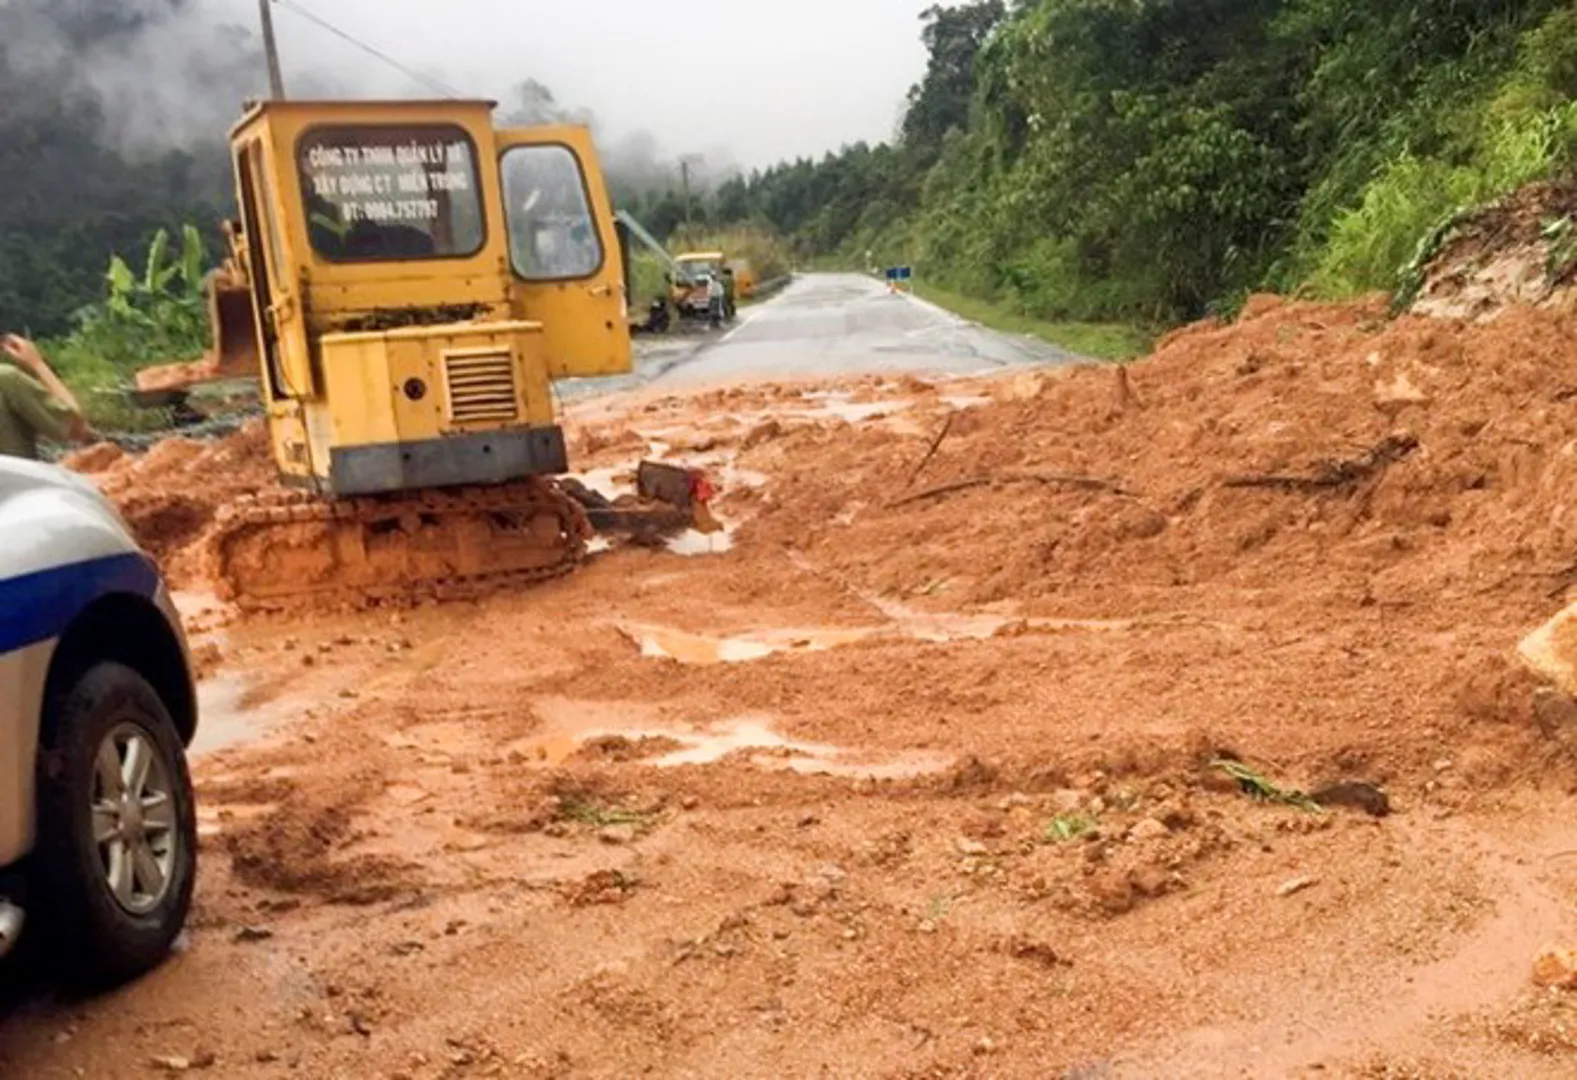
<point x="690" y="802"/>
<point x="290" y="644"/>
<point x="617" y="834"/>
<point x="927" y="926"/>
<point x="1556" y="968"/>
<point x="970" y="847"/>
<point x="204" y="1059"/>
<point x="171" y="1063"/>
<point x="831" y="873"/>
<point x="1357" y="795"/>
<point x="253" y="933"/>
<point x="1015" y="800"/>
<point x="265" y="1057"/>
<point x="1443" y="764"/>
<point x="985" y="1045"/>
<point x="1149" y="829"/>
<point x="1554" y="711"/>
<point x="308" y="660"/>
<point x="1296" y="885"/>
<point x="62" y="1037"/>
<point x="1066" y="800"/>
<point x="348" y="693"/>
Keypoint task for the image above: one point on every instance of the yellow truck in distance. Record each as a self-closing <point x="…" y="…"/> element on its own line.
<point x="689" y="297"/>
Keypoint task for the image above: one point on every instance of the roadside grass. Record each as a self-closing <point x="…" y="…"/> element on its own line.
<point x="1098" y="341"/>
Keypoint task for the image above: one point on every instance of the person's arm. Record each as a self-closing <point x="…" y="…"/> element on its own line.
<point x="30" y="360"/>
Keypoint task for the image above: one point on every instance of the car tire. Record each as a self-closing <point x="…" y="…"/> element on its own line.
<point x="114" y="906"/>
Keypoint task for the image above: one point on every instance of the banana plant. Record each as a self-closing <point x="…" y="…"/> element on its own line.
<point x="163" y="277"/>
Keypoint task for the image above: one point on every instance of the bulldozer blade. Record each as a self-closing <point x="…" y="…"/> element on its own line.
<point x="234" y="352"/>
<point x="235" y="329"/>
<point x="671" y="484"/>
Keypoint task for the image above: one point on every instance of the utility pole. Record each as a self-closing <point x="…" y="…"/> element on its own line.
<point x="276" y="80"/>
<point x="684" y="179"/>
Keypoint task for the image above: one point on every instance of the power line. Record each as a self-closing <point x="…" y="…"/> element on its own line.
<point x="410" y="72"/>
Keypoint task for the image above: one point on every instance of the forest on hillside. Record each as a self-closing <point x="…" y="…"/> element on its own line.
<point x="1137" y="160"/>
<point x="1154" y="160"/>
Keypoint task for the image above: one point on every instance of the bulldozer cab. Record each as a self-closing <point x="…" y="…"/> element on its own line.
<point x="361" y="214"/>
<point x="413" y="274"/>
<point x="565" y="248"/>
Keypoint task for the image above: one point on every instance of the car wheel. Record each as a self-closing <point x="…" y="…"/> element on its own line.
<point x="117" y="851"/>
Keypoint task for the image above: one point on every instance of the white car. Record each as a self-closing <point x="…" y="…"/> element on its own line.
<point x="98" y="837"/>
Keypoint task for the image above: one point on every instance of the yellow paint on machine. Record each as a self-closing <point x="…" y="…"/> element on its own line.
<point x="462" y="333"/>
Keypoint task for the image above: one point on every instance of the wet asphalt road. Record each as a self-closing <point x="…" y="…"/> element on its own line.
<point x="821" y="326"/>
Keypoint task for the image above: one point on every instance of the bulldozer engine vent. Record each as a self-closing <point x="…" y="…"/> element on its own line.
<point x="481" y="387"/>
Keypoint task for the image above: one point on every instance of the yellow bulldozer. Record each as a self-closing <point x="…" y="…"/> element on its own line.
<point x="406" y="281"/>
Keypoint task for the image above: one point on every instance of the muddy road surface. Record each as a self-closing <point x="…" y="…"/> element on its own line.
<point x="821" y="326"/>
<point x="1026" y="722"/>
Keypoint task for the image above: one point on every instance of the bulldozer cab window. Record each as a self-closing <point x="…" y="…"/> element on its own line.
<point x="552" y="234"/>
<point x="378" y="192"/>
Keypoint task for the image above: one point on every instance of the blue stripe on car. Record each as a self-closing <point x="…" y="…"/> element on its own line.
<point x="40" y="606"/>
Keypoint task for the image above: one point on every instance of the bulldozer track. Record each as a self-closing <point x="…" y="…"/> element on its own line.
<point x="324" y="529"/>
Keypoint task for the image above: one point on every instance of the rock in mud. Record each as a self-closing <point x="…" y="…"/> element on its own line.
<point x="1551" y="651"/>
<point x="1359" y="795"/>
<point x="1295" y="886"/>
<point x="1149" y="829"/>
<point x="1553" y="711"/>
<point x="1556" y="968"/>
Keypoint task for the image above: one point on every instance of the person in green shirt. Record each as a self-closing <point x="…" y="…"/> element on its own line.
<point x="34" y="403"/>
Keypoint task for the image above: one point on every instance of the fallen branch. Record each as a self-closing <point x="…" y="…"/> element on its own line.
<point x="936" y="444"/>
<point x="1331" y="475"/>
<point x="1085" y="483"/>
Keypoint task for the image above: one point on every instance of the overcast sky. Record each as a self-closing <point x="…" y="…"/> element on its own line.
<point x="764" y="79"/>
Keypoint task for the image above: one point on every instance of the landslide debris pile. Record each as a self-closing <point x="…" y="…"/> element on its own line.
<point x="1305" y="444"/>
<point x="170" y="495"/>
<point x="1325" y="448"/>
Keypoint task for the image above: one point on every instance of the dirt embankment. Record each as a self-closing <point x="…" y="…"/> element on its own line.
<point x="1521" y="250"/>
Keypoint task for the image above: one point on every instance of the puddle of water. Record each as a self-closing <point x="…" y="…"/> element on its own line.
<point x="222" y="720"/>
<point x="734" y="476"/>
<point x="665" y="643"/>
<point x="659" y="642"/>
<point x="573" y="725"/>
<point x="225" y="720"/>
<point x="695" y="649"/>
<point x="610" y="483"/>
<point x="691" y="542"/>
